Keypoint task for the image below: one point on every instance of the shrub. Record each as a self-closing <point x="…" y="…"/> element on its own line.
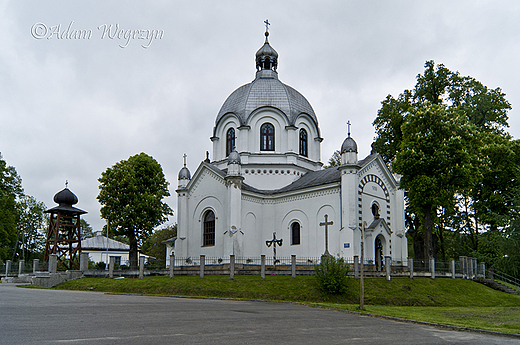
<point x="331" y="274"/>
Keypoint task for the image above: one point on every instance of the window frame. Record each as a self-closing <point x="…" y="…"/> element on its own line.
<point x="303" y="143"/>
<point x="293" y="234"/>
<point x="208" y="229"/>
<point x="267" y="132"/>
<point x="230" y="140"/>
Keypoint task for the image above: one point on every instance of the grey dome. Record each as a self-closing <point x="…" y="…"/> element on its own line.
<point x="234" y="158"/>
<point x="184" y="174"/>
<point x="266" y="91"/>
<point x="65" y="197"/>
<point x="349" y="145"/>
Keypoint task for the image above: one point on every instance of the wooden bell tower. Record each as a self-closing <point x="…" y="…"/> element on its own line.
<point x="64" y="233"/>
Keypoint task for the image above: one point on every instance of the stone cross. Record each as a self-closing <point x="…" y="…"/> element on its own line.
<point x="273" y="243"/>
<point x="326" y="224"/>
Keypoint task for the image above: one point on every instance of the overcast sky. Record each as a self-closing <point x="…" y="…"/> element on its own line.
<point x="70" y="108"/>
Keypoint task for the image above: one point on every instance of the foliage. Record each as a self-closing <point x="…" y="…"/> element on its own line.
<point x="86" y="229"/>
<point x="334" y="160"/>
<point x="131" y="194"/>
<point x="10" y="189"/>
<point x="31" y="224"/>
<point x="460" y="167"/>
<point x="154" y="246"/>
<point x="435" y="162"/>
<point x="331" y="274"/>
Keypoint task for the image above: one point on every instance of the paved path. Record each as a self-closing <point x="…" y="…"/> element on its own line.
<point x="35" y="316"/>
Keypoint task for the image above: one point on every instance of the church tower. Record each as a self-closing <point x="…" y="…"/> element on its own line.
<point x="349" y="169"/>
<point x="273" y="127"/>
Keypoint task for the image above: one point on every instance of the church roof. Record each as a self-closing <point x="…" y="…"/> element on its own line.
<point x="266" y="91"/>
<point x="308" y="180"/>
<point x="99" y="242"/>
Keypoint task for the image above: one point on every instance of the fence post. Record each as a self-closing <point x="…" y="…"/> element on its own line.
<point x="232" y="266"/>
<point x="111" y="265"/>
<point x="492" y="273"/>
<point x="462" y="266"/>
<point x="141" y="267"/>
<point x="475" y="268"/>
<point x="483" y="270"/>
<point x="172" y="263"/>
<point x="262" y="266"/>
<point x="36" y="265"/>
<point x="202" y="265"/>
<point x="83" y="262"/>
<point x="21" y="264"/>
<point x="53" y="263"/>
<point x="470" y="268"/>
<point x="293" y="266"/>
<point x="452" y="268"/>
<point x="432" y="267"/>
<point x="410" y="267"/>
<point x="388" y="267"/>
<point x="7" y="268"/>
<point x="356" y="267"/>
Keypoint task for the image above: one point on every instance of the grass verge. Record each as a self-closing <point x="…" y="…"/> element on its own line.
<point x="444" y="301"/>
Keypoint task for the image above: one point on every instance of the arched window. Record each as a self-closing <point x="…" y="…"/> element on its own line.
<point x="267" y="137"/>
<point x="295" y="233"/>
<point x="303" y="142"/>
<point x="230" y="141"/>
<point x="375" y="210"/>
<point x="208" y="235"/>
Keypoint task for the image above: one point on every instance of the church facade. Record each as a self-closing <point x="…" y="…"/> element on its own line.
<point x="266" y="177"/>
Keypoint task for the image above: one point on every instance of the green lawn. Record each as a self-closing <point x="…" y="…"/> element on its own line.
<point x="445" y="301"/>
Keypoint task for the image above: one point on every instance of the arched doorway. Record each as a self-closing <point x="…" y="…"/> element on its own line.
<point x="379" y="254"/>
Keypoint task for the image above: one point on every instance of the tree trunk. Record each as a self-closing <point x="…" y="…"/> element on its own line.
<point x="428" y="230"/>
<point x="132" y="254"/>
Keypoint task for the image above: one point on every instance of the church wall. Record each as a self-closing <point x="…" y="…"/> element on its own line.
<point x="379" y="187"/>
<point x="277" y="214"/>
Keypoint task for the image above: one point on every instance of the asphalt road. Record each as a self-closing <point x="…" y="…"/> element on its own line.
<point x="34" y="316"/>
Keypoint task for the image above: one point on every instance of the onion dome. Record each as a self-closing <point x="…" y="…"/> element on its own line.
<point x="266" y="56"/>
<point x="266" y="91"/>
<point x="234" y="158"/>
<point x="184" y="173"/>
<point x="349" y="145"/>
<point x="65" y="197"/>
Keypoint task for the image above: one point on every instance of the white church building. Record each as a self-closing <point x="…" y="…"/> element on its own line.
<point x="266" y="177"/>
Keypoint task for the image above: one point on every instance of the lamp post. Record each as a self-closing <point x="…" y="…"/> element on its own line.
<point x="362" y="283"/>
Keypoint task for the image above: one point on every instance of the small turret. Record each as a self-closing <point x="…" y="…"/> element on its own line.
<point x="349" y="150"/>
<point x="184" y="175"/>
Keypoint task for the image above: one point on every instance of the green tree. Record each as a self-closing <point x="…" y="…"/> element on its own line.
<point x="484" y="108"/>
<point x="10" y="190"/>
<point x="86" y="229"/>
<point x="31" y="224"/>
<point x="154" y="246"/>
<point x="131" y="194"/>
<point x="435" y="162"/>
<point x="334" y="160"/>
